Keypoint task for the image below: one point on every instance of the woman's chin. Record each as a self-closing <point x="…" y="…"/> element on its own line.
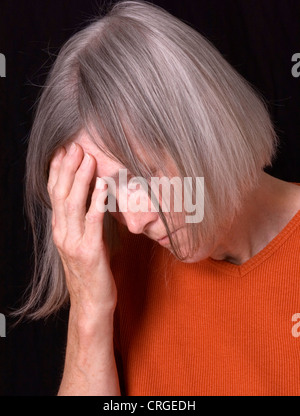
<point x="199" y="255"/>
<point x="195" y="258"/>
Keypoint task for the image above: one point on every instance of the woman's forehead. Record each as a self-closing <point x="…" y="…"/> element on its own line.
<point x="88" y="146"/>
<point x="106" y="166"/>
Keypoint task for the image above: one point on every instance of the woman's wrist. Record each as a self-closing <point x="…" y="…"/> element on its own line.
<point x="90" y="336"/>
<point x="91" y="325"/>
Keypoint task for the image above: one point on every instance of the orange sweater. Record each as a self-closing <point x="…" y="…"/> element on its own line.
<point x="212" y="327"/>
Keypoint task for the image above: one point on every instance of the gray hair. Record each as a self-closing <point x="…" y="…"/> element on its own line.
<point x="139" y="73"/>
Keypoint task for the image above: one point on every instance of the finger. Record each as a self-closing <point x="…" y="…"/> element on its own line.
<point x="54" y="168"/>
<point x="93" y="234"/>
<point x="76" y="202"/>
<point x="63" y="185"/>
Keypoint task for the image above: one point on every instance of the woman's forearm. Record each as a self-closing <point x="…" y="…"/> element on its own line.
<point x="90" y="367"/>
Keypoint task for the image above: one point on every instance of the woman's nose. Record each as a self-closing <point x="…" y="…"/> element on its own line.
<point x="136" y="222"/>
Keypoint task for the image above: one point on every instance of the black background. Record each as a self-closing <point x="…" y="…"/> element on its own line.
<point x="258" y="37"/>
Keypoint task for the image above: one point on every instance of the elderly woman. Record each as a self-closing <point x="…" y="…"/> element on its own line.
<point x="169" y="306"/>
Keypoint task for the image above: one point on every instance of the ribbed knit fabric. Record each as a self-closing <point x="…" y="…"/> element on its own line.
<point x="212" y="327"/>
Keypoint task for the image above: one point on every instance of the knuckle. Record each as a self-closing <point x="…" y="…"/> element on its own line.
<point x="71" y="206"/>
<point x="79" y="255"/>
<point x="70" y="249"/>
<point x="92" y="217"/>
<point x="58" y="194"/>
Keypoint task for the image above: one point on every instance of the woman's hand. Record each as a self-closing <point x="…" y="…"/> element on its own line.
<point x="78" y="235"/>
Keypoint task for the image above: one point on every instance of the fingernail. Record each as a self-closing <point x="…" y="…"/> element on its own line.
<point x="72" y="149"/>
<point x="100" y="184"/>
<point x="86" y="160"/>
